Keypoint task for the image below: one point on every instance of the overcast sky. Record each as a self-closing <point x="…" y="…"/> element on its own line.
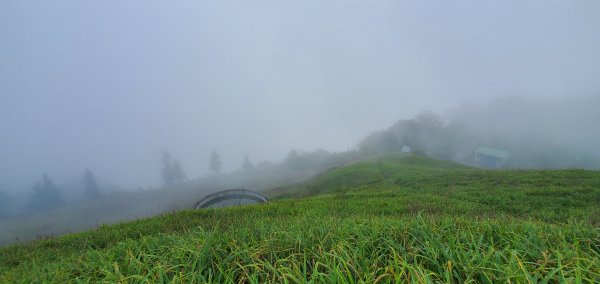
<point x="108" y="85"/>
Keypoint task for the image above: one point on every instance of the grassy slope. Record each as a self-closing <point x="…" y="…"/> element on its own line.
<point x="395" y="217"/>
<point x="129" y="205"/>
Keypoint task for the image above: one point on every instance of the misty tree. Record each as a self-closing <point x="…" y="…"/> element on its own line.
<point x="91" y="189"/>
<point x="45" y="196"/>
<point x="378" y="142"/>
<point x="425" y="134"/>
<point x="215" y="163"/>
<point x="266" y="166"/>
<point x="247" y="165"/>
<point x="306" y="160"/>
<point x="293" y="161"/>
<point x="4" y="201"/>
<point x="171" y="170"/>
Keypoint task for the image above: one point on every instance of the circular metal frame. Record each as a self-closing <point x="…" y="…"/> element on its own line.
<point x="230" y="194"/>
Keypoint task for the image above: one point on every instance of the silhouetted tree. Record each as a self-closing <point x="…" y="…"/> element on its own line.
<point x="178" y="173"/>
<point x="424" y="134"/>
<point x="171" y="170"/>
<point x="4" y="201"/>
<point x="45" y="196"/>
<point x="377" y="142"/>
<point x="215" y="162"/>
<point x="292" y="160"/>
<point x="91" y="189"/>
<point x="167" y="161"/>
<point x="247" y="165"/>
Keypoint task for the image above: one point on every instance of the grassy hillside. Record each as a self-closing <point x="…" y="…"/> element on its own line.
<point x="392" y="218"/>
<point x="119" y="206"/>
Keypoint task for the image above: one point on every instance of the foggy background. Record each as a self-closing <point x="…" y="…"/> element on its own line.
<point x="110" y="85"/>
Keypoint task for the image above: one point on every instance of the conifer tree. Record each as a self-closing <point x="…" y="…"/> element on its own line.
<point x="45" y="196"/>
<point x="215" y="162"/>
<point x="171" y="170"/>
<point x="91" y="190"/>
<point x="247" y="165"/>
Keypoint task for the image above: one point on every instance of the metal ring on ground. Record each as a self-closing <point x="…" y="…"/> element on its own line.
<point x="230" y="194"/>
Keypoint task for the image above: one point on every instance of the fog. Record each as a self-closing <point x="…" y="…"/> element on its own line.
<point x="539" y="133"/>
<point x="110" y="85"/>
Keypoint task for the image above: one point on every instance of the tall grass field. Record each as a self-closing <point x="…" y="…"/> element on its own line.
<point x="397" y="218"/>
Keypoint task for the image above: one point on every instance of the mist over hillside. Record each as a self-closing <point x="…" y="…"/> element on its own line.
<point x="110" y="85"/>
<point x="267" y="93"/>
<point x="386" y="141"/>
<point x="538" y="132"/>
<point x="534" y="133"/>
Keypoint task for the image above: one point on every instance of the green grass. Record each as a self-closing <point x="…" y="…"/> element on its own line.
<point x="395" y="218"/>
